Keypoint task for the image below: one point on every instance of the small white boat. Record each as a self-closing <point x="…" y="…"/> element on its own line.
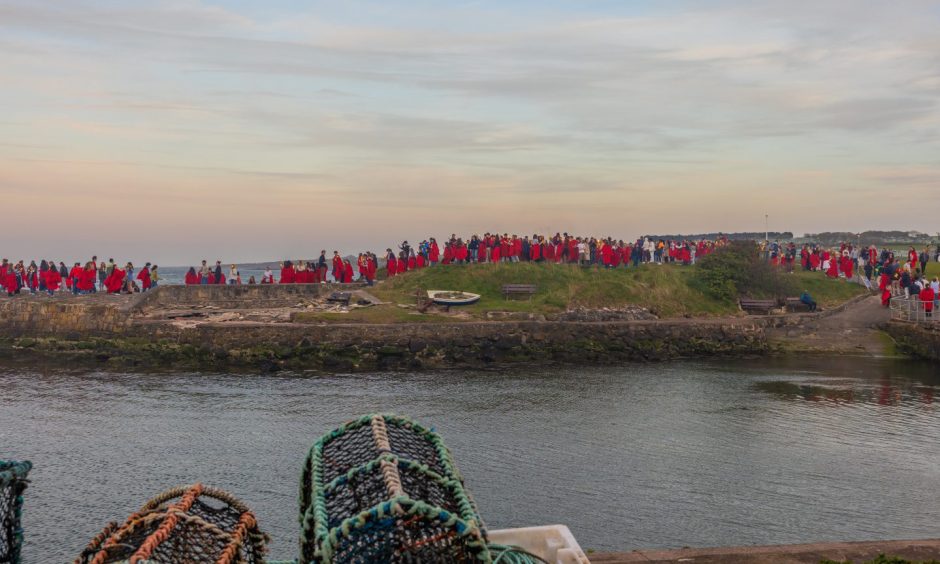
<point x="452" y="298"/>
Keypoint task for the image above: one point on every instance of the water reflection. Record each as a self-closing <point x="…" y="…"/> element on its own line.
<point x="696" y="454"/>
<point x="884" y="383"/>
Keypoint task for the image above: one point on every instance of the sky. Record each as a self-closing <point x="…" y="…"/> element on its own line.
<point x="175" y="130"/>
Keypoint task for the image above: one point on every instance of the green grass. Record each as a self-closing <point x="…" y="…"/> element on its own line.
<point x="665" y="290"/>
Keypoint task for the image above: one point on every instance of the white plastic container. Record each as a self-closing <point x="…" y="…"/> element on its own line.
<point x="552" y="543"/>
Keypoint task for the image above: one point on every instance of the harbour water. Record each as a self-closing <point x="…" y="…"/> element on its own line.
<point x="637" y="456"/>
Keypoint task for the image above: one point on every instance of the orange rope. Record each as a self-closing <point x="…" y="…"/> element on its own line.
<point x="163" y="531"/>
<point x="245" y="523"/>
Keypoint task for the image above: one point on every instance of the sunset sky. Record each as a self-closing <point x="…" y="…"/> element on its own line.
<point x="170" y="131"/>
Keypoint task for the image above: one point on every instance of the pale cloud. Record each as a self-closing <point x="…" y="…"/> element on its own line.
<point x="611" y="118"/>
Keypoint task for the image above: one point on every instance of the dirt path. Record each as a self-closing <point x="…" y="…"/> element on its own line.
<point x="852" y="331"/>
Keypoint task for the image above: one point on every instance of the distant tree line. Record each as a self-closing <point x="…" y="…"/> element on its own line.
<point x="870" y="237"/>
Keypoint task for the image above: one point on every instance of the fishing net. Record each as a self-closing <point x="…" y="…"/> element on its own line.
<point x="187" y="524"/>
<point x="384" y="489"/>
<point x="12" y="485"/>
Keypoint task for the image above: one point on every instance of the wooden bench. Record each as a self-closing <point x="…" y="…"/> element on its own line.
<point x="528" y="290"/>
<point x="340" y="298"/>
<point x="794" y="304"/>
<point x="757" y="306"/>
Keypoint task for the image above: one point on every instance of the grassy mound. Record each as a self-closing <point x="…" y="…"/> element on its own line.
<point x="663" y="289"/>
<point x="666" y="290"/>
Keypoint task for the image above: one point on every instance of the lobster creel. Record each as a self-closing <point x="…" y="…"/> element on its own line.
<point x="12" y="485"/>
<point x="382" y="488"/>
<point x="186" y="524"/>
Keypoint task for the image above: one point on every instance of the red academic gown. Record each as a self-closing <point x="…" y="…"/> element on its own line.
<point x="53" y="279"/>
<point x="412" y="263"/>
<point x="338" y="269"/>
<point x="448" y="254"/>
<point x="347" y="273"/>
<point x="535" y="251"/>
<point x="391" y="267"/>
<point x="114" y="281"/>
<point x="288" y="275"/>
<point x="86" y="280"/>
<point x="144" y="277"/>
<point x="191" y="279"/>
<point x="370" y="269"/>
<point x="846" y="266"/>
<point x="421" y="262"/>
<point x="402" y="265"/>
<point x="9" y="281"/>
<point x="481" y="252"/>
<point x="927" y="296"/>
<point x="886" y="297"/>
<point x="833" y="271"/>
<point x="434" y="253"/>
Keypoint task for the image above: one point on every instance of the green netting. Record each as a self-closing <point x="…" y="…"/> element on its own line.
<point x="12" y="485"/>
<point x="382" y="488"/>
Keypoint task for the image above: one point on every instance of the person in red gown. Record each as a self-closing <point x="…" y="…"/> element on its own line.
<point x="412" y="261"/>
<point x="31" y="279"/>
<point x="535" y="250"/>
<point x="448" y="254"/>
<point x="191" y="278"/>
<point x="391" y="264"/>
<point x="86" y="279"/>
<point x="115" y="280"/>
<point x="288" y="274"/>
<point x="607" y="254"/>
<point x="402" y="264"/>
<point x="339" y="270"/>
<point x="846" y="266"/>
<point x="460" y="252"/>
<point x="434" y="252"/>
<point x="144" y="277"/>
<point x="926" y="299"/>
<point x="53" y="280"/>
<point x="347" y="272"/>
<point x="370" y="269"/>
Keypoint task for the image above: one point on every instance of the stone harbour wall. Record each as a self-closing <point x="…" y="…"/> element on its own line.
<point x="70" y="317"/>
<point x="118" y="330"/>
<point x="241" y="296"/>
<point x="919" y="340"/>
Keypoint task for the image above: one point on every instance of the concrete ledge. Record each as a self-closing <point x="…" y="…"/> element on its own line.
<point x="857" y="552"/>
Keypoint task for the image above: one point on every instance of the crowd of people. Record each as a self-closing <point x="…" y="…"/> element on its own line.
<point x="558" y="248"/>
<point x="49" y="277"/>
<point x="894" y="275"/>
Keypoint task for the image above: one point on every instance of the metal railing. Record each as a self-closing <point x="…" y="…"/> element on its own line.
<point x="913" y="309"/>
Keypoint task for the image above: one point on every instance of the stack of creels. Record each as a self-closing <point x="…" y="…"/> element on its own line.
<point x="187" y="524"/>
<point x="12" y="485"/>
<point x="384" y="489"/>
